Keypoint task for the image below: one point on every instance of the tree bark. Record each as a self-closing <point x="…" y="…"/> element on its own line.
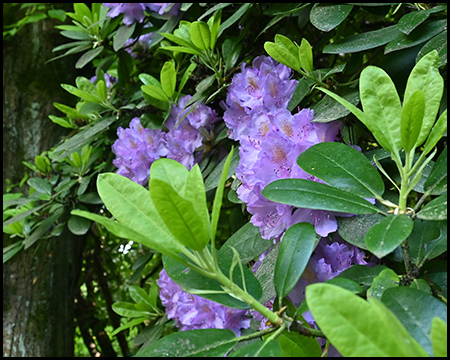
<point x="38" y="283"/>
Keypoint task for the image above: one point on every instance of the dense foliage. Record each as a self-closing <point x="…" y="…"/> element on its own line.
<point x="252" y="179"/>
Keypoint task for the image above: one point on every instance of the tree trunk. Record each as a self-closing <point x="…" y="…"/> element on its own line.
<point x="38" y="283"/>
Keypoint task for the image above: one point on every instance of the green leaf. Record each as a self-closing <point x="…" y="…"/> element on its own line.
<point x="171" y="172"/>
<point x="127" y="309"/>
<point x="385" y="236"/>
<point x="415" y="310"/>
<point x="359" y="328"/>
<point x="326" y="17"/>
<point x="295" y="345"/>
<point x="364" y="41"/>
<point x="436" y="209"/>
<point x="377" y="131"/>
<point x="40" y="185"/>
<point x="101" y="90"/>
<point x="264" y="349"/>
<point x="427" y="240"/>
<point x="192" y="343"/>
<point x="168" y="78"/>
<point x="436" y="133"/>
<point x="301" y="90"/>
<point x="82" y="94"/>
<point x="386" y="279"/>
<point x="411" y="120"/>
<point x="156" y="92"/>
<point x="200" y="35"/>
<point x="78" y="225"/>
<point x="123" y="34"/>
<point x="237" y="15"/>
<point x="381" y="103"/>
<point x="343" y="167"/>
<point x="282" y="55"/>
<point x="88" y="57"/>
<point x="131" y="204"/>
<point x="329" y="109"/>
<point x="217" y="204"/>
<point x="293" y="256"/>
<point x="286" y="43"/>
<point x="362" y="274"/>
<point x="436" y="183"/>
<point x="214" y="26"/>
<point x="439" y="337"/>
<point x="313" y="195"/>
<point x="353" y="229"/>
<point x="425" y="76"/>
<point x="213" y="179"/>
<point x="438" y="43"/>
<point x="305" y="55"/>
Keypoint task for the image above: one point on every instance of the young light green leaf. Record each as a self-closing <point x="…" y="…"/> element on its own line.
<point x="168" y="78"/>
<point x="341" y="166"/>
<point x="295" y="345"/>
<point x="179" y="215"/>
<point x="200" y="35"/>
<point x="439" y="337"/>
<point x="425" y="76"/>
<point x="286" y="43"/>
<point x="381" y="104"/>
<point x="436" y="209"/>
<point x="214" y="25"/>
<point x="411" y="120"/>
<point x="306" y="56"/>
<point x="193" y="343"/>
<point x="293" y="256"/>
<point x="101" y="90"/>
<point x="282" y="54"/>
<point x="339" y="314"/>
<point x="383" y="281"/>
<point x="436" y="133"/>
<point x="155" y="91"/>
<point x="171" y="172"/>
<point x="415" y="309"/>
<point x="128" y="309"/>
<point x="313" y="195"/>
<point x="385" y="236"/>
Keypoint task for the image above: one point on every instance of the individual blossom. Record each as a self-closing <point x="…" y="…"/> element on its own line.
<point x="191" y="312"/>
<point x="132" y="11"/>
<point x="136" y="149"/>
<point x="166" y="9"/>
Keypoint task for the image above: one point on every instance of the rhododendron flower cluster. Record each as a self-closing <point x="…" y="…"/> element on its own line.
<point x="137" y="147"/>
<point x="135" y="11"/>
<point x="271" y="139"/>
<point x="191" y="312"/>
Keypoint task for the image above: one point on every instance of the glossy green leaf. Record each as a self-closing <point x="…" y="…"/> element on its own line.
<point x="281" y="54"/>
<point x="374" y="127"/>
<point x="326" y="17"/>
<point x="436" y="209"/>
<point x="200" y="35"/>
<point x="305" y="55"/>
<point x="258" y="349"/>
<point x="411" y="20"/>
<point x="168" y="78"/>
<point x="101" y="90"/>
<point x="314" y="195"/>
<point x="179" y="215"/>
<point x="293" y="256"/>
<point x="155" y="91"/>
<point x="383" y="281"/>
<point x="439" y="129"/>
<point x="438" y="43"/>
<point x="436" y="183"/>
<point x="425" y="76"/>
<point x="439" y="337"/>
<point x="381" y="104"/>
<point x="427" y="240"/>
<point x="127" y="309"/>
<point x="353" y="229"/>
<point x="189" y="280"/>
<point x="385" y="236"/>
<point x="356" y="327"/>
<point x="131" y="204"/>
<point x="362" y="274"/>
<point x="411" y="120"/>
<point x="179" y="40"/>
<point x="364" y="41"/>
<point x="123" y="34"/>
<point x="81" y="94"/>
<point x="286" y="43"/>
<point x="192" y="343"/>
<point x="341" y="166"/>
<point x="329" y="109"/>
<point x="295" y="345"/>
<point x="181" y="49"/>
<point x="214" y="25"/>
<point x="415" y="310"/>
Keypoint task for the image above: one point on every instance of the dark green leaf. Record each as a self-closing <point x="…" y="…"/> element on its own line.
<point x="436" y="184"/>
<point x="88" y="57"/>
<point x="364" y="41"/>
<point x="258" y="349"/>
<point x="326" y="17"/>
<point x="362" y="274"/>
<point x="436" y="209"/>
<point x="237" y="15"/>
<point x="300" y="92"/>
<point x="343" y="167"/>
<point x="413" y="19"/>
<point x="385" y="236"/>
<point x="293" y="256"/>
<point x="313" y="195"/>
<point x="329" y="109"/>
<point x="192" y="343"/>
<point x="78" y="225"/>
<point x="213" y="179"/>
<point x="438" y="43"/>
<point x="123" y="34"/>
<point x="354" y="228"/>
<point x="415" y="310"/>
<point x="427" y="240"/>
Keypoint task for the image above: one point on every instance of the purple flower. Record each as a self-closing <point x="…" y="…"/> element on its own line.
<point x="168" y="9"/>
<point x="136" y="149"/>
<point x="132" y="11"/>
<point x="194" y="312"/>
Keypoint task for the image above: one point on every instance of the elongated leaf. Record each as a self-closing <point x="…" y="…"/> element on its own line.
<point x="425" y="76"/>
<point x="192" y="343"/>
<point x="128" y="309"/>
<point x="384" y="280"/>
<point x="359" y="328"/>
<point x="282" y="55"/>
<point x="237" y="15"/>
<point x="82" y="94"/>
<point x="341" y="166"/>
<point x="411" y="121"/>
<point x="436" y="183"/>
<point x="156" y="92"/>
<point x="362" y="274"/>
<point x="213" y="179"/>
<point x="381" y="103"/>
<point x="88" y="57"/>
<point x="293" y="256"/>
<point x="385" y="236"/>
<point x="214" y="25"/>
<point x="439" y="338"/>
<point x="181" y="49"/>
<point x="168" y="78"/>
<point x="353" y="229"/>
<point x="427" y="240"/>
<point x="123" y="34"/>
<point x="200" y="35"/>
<point x="295" y="345"/>
<point x="313" y="195"/>
<point x="415" y="309"/>
<point x="436" y="209"/>
<point x="326" y="17"/>
<point x="131" y="204"/>
<point x="306" y="56"/>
